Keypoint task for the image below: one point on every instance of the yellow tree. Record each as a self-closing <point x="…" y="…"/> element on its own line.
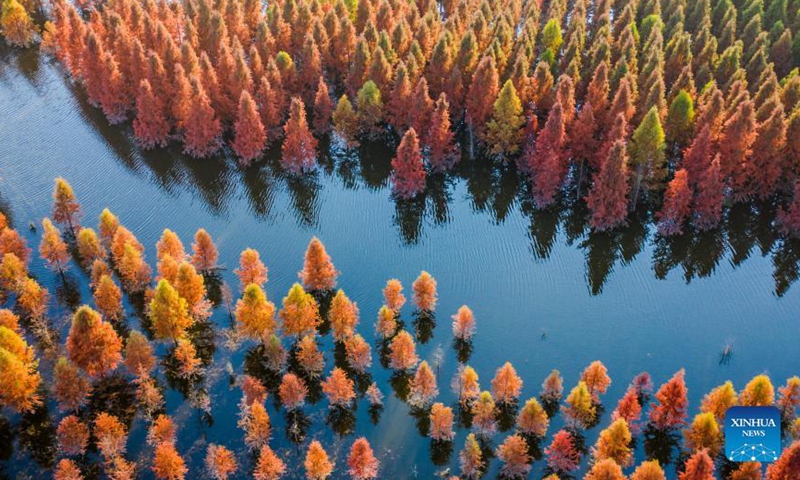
<point x="425" y="292"/>
<point x="317" y="464"/>
<point x="19" y="377"/>
<point x="504" y="131"/>
<point x="66" y="209"/>
<point x="16" y="24"/>
<point x="52" y="249"/>
<point x="506" y="384"/>
<point x="704" y="432"/>
<point x="300" y="312"/>
<point x="343" y="316"/>
<point x="169" y="313"/>
<point x="614" y="443"/>
<point x="255" y="314"/>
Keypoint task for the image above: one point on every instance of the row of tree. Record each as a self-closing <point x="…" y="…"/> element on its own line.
<point x="95" y="348"/>
<point x="701" y="100"/>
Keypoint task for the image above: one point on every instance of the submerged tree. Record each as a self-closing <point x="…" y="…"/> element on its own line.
<point x="562" y="454"/>
<point x="251" y="136"/>
<point x="317" y="464"/>
<point x="66" y="209"/>
<point x="361" y="462"/>
<point x="608" y="197"/>
<point x="299" y="147"/>
<point x="409" y="173"/>
<point x="515" y="457"/>
<point x="670" y="412"/>
<point x="506" y="384"/>
<point x="425" y="295"/>
<point x="92" y="343"/>
<point x="269" y="465"/>
<point x="318" y="272"/>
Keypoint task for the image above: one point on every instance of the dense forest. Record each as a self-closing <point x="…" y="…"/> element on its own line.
<point x="109" y="369"/>
<point x="685" y="107"/>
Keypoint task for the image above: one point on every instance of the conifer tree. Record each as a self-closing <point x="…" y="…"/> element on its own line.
<point x="677" y="205"/>
<point x="205" y="255"/>
<point x="471" y="458"/>
<point x="255" y="314"/>
<point x="108" y="298"/>
<point x="169" y="313"/>
<point x="345" y="121"/>
<point x="481" y="97"/>
<point x="544" y="162"/>
<point x="614" y="443"/>
<point x="515" y="457"/>
<point x="298" y="152"/>
<point x="361" y="462"/>
<point x="251" y="268"/>
<point x="251" y="136"/>
<point x="318" y="272"/>
<point x="66" y="209"/>
<point x="292" y="391"/>
<point x="787" y="464"/>
<point x="532" y="419"/>
<point x="16" y="24"/>
<point x="139" y="358"/>
<point x="463" y="323"/>
<point x="504" y="132"/>
<point x="484" y="420"/>
<point x="202" y="129"/>
<point x="562" y="455"/>
<point x="409" y="173"/>
<point x="393" y="295"/>
<point x="423" y="387"/>
<point x="608" y="197"/>
<point x="425" y="296"/>
<point x="680" y="121"/>
<point x="89" y="247"/>
<point x="269" y="465"/>
<point x="649" y="470"/>
<point x="442" y="153"/>
<point x="317" y="464"/>
<point x="670" y="412"/>
<point x="402" y="352"/>
<point x="758" y="392"/>
<point x="150" y="126"/>
<point x="343" y="317"/>
<point x="506" y="384"/>
<point x="70" y="388"/>
<point x="92" y="344"/>
<point x="339" y="388"/>
<point x="300" y="312"/>
<point x="605" y="470"/>
<point x="647" y="154"/>
<point x="52" y="249"/>
<point x="323" y="108"/>
<point x="700" y="466"/>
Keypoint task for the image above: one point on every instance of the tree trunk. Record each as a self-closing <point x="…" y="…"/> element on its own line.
<point x="636" y="186"/>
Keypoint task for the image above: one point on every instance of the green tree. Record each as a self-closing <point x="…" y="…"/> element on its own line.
<point x="647" y="154"/>
<point x="680" y="121"/>
<point x="370" y="109"/>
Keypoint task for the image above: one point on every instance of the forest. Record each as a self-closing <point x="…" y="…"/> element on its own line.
<point x="686" y="108"/>
<point x="144" y="326"/>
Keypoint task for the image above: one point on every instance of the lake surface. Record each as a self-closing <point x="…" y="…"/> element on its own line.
<point x="545" y="293"/>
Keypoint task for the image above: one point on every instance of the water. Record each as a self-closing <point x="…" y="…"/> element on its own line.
<point x="545" y="293"/>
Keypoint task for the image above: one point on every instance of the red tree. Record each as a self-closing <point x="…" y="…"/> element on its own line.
<point x="250" y="134"/>
<point x="409" y="171"/>
<point x="608" y="198"/>
<point x="670" y="412"/>
<point x="323" y="108"/>
<point x="710" y="196"/>
<point x="482" y="93"/>
<point x="299" y="148"/>
<point x="545" y="162"/>
<point x="562" y="455"/>
<point x="700" y="466"/>
<point x="439" y="137"/>
<point x="697" y="157"/>
<point x="677" y="205"/>
<point x="787" y="466"/>
<point x="421" y="107"/>
<point x="150" y="125"/>
<point x="361" y="462"/>
<point x="203" y="128"/>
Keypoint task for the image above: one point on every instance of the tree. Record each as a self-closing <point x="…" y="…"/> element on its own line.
<point x="16" y="24"/>
<point x="629" y="409"/>
<point x="108" y="298"/>
<point x="358" y="353"/>
<point x="255" y="314"/>
<point x="736" y="140"/>
<point x="110" y="435"/>
<point x="108" y="226"/>
<point x="463" y="323"/>
<point x="402" y="352"/>
<point x="544" y="161"/>
<point x="185" y="355"/>
<point x="53" y="250"/>
<point x="89" y="247"/>
<point x="649" y="470"/>
<point x="393" y="295"/>
<point x="18" y="373"/>
<point x="169" y="312"/>
<point x="370" y="108"/>
<point x="788" y="399"/>
<point x="70" y="388"/>
<point x="220" y="462"/>
<point x="66" y="209"/>
<point x="579" y="410"/>
<point x="139" y="358"/>
<point x="471" y="458"/>
<point x="506" y="384"/>
<point x="132" y="268"/>
<point x="423" y="387"/>
<point x="758" y="392"/>
<point x="251" y="269"/>
<point x="532" y="419"/>
<point x="408" y="177"/>
<point x="677" y="205"/>
<point x="150" y="126"/>
<point x="483" y="409"/>
<point x="614" y="443"/>
<point x="92" y="344"/>
<point x="441" y="419"/>
<point x="202" y="129"/>
<point x="292" y="391"/>
<point x="309" y="356"/>
<point x="13" y="273"/>
<point x="504" y="132"/>
<point x="167" y="463"/>
<point x="345" y="120"/>
<point x="67" y="469"/>
<point x="710" y="197"/>
<point x="317" y="464"/>
<point x="608" y="197"/>
<point x="339" y="388"/>
<point x="442" y="153"/>
<point x="552" y="387"/>
<point x="205" y="253"/>
<point x="12" y="243"/>
<point x="680" y="121"/>
<point x="299" y="147"/>
<point x="32" y="299"/>
<point x="596" y="378"/>
<point x="251" y="136"/>
<point x="300" y="312"/>
<point x="605" y="470"/>
<point x="361" y="462"/>
<point x="269" y="466"/>
<point x="562" y="455"/>
<point x="386" y="325"/>
<point x="704" y="433"/>
<point x="425" y="292"/>
<point x="318" y="272"/>
<point x="670" y="412"/>
<point x="323" y="108"/>
<point x="700" y="466"/>
<point x="254" y="420"/>
<point x="515" y="457"/>
<point x="343" y="316"/>
<point x="647" y="154"/>
<point x="747" y="471"/>
<point x="787" y="465"/>
<point x="73" y="436"/>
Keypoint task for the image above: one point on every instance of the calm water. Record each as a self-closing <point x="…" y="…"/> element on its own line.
<point x="545" y="293"/>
